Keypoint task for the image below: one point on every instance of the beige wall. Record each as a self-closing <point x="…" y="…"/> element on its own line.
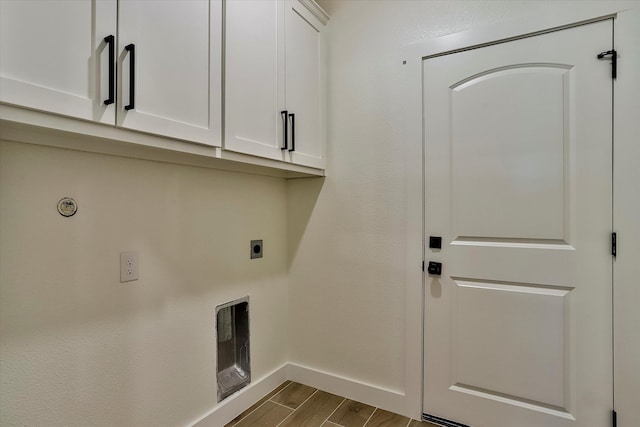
<point x="81" y="348"/>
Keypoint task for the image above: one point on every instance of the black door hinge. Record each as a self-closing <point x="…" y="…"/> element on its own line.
<point x="614" y="418"/>
<point x="614" y="61"/>
<point x="422" y="265"/>
<point x="614" y="244"/>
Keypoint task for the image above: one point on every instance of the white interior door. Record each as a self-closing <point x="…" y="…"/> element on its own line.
<point x="518" y="170"/>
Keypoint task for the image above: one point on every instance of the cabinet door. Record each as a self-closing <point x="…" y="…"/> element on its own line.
<point x="304" y="77"/>
<point x="176" y="85"/>
<point x="254" y="73"/>
<point x="53" y="56"/>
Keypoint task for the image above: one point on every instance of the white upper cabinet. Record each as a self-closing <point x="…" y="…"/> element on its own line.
<point x="254" y="77"/>
<point x="304" y="75"/>
<point x="53" y="56"/>
<point x="169" y="55"/>
<point x="56" y="57"/>
<point x="274" y="80"/>
<point x="153" y="71"/>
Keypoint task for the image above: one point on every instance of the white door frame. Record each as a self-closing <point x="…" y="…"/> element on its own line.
<point x="626" y="132"/>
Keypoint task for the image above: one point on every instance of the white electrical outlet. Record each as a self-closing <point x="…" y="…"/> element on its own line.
<point x="128" y="266"/>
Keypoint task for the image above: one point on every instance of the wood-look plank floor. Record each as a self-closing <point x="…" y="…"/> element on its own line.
<point x="297" y="405"/>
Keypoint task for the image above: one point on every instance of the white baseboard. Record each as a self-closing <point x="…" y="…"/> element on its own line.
<point x="355" y="390"/>
<point x="351" y="389"/>
<point x="237" y="403"/>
